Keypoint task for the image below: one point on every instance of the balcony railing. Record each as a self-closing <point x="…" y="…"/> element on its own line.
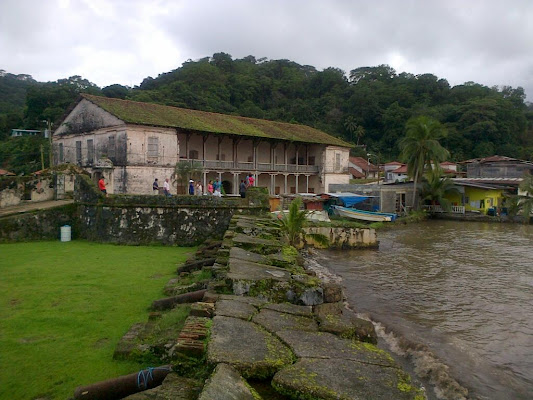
<point x="249" y="166"/>
<point x="439" y="209"/>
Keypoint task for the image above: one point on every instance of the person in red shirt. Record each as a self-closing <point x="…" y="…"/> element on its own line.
<point x="101" y="186"/>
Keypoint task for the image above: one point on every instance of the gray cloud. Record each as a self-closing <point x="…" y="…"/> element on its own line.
<point x="486" y="41"/>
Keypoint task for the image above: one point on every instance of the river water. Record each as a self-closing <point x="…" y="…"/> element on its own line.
<point x="456" y="299"/>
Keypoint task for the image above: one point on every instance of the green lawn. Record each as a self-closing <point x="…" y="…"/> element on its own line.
<point x="64" y="306"/>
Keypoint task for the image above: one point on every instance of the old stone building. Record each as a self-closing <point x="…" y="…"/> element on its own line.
<point x="131" y="143"/>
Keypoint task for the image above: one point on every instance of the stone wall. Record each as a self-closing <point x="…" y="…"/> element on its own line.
<point x="343" y="238"/>
<point x="139" y="219"/>
<point x="170" y="225"/>
<point x="39" y="225"/>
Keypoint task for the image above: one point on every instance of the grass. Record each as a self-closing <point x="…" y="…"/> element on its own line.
<point x="64" y="306"/>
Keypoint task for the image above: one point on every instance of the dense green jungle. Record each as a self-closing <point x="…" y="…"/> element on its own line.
<point x="367" y="106"/>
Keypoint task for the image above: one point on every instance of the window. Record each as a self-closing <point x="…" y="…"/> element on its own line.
<point x="61" y="153"/>
<point x="90" y="151"/>
<point x="111" y="147"/>
<point x="311" y="161"/>
<point x="337" y="161"/>
<point x="221" y="157"/>
<point x="153" y="147"/>
<point x="193" y="154"/>
<point x="78" y="152"/>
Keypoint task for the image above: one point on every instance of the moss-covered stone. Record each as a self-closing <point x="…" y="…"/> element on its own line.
<point x="249" y="348"/>
<point x="343" y="379"/>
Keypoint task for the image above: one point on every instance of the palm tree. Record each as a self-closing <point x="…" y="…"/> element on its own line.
<point x="435" y="187"/>
<point x="292" y="225"/>
<point x="420" y="148"/>
<point x="525" y="201"/>
<point x="353" y="129"/>
<point x="185" y="170"/>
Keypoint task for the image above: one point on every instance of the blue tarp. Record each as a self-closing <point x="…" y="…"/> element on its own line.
<point x="351" y="200"/>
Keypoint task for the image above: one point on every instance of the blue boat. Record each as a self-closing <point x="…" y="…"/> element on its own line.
<point x="354" y="213"/>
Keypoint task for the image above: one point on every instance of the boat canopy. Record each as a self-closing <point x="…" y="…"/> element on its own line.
<point x="349" y="199"/>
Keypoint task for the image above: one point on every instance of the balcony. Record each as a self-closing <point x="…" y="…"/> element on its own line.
<point x="241" y="166"/>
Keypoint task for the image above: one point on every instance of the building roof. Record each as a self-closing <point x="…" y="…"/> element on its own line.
<point x="364" y="164"/>
<point x="495" y="158"/>
<point x="355" y="173"/>
<point x="489" y="181"/>
<point x="394" y="163"/>
<point x="3" y="172"/>
<point x="150" y="114"/>
<point x="400" y="170"/>
<point x="447" y="163"/>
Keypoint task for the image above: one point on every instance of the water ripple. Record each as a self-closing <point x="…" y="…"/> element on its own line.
<point x="465" y="290"/>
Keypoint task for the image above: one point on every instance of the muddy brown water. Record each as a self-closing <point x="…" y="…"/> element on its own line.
<point x="457" y="298"/>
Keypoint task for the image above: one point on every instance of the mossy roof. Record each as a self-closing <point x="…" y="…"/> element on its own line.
<point x="134" y="112"/>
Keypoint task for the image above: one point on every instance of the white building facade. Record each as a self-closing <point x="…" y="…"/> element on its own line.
<point x="129" y="145"/>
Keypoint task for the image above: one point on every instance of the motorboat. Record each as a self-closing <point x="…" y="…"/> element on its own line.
<point x="354" y="213"/>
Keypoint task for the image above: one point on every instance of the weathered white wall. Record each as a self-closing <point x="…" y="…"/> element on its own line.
<point x="43" y="191"/>
<point x="137" y="153"/>
<point x="344" y="237"/>
<point x="140" y="178"/>
<point x="10" y="197"/>
<point x="329" y="159"/>
<point x="331" y="172"/>
<point x="86" y="117"/>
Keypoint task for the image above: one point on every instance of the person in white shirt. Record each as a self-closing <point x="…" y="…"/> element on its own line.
<point x="166" y="188"/>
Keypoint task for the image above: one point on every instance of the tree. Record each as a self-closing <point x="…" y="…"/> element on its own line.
<point x="186" y="170"/>
<point x="353" y="129"/>
<point x="435" y="187"/>
<point x="420" y="148"/>
<point x="525" y="201"/>
<point x="116" y="91"/>
<point x="292" y="225"/>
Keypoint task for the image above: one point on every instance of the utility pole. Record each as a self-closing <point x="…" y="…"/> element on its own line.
<point x="42" y="157"/>
<point x="51" y="144"/>
<point x="49" y="129"/>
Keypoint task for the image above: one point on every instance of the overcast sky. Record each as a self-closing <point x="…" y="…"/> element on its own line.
<point x="123" y="41"/>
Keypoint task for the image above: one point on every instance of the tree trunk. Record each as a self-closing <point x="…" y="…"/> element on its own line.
<point x="414" y="189"/>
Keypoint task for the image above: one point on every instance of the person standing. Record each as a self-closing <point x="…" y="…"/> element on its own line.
<point x="166" y="188"/>
<point x="210" y="188"/>
<point x="251" y="180"/>
<point x="242" y="189"/>
<point x="101" y="186"/>
<point x="216" y="188"/>
<point x="191" y="187"/>
<point x="155" y="186"/>
<point x="199" y="188"/>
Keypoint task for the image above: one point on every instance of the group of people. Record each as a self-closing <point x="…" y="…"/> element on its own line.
<point x="245" y="184"/>
<point x="166" y="187"/>
<point x="214" y="188"/>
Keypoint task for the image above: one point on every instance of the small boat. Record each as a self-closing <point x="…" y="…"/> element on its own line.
<point x="354" y="213"/>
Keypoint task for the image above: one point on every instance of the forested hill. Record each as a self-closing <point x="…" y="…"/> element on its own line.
<point x="369" y="105"/>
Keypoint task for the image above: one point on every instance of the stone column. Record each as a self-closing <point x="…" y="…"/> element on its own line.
<point x="236" y="183"/>
<point x="204" y="139"/>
